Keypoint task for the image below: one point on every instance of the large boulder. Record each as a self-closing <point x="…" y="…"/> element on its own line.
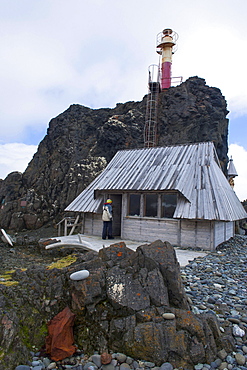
<point x="131" y="302"/>
<point x="143" y="310"/>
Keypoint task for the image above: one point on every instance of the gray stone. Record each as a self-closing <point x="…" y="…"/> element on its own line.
<point x="230" y="359"/>
<point x="97" y="360"/>
<point x="129" y="360"/>
<point x="107" y="367"/>
<point x="124" y="366"/>
<point x="168" y="316"/>
<point x="149" y="364"/>
<point x="35" y="363"/>
<point x="46" y="361"/>
<point x="121" y="357"/>
<point x="90" y="364"/>
<point x="218" y="362"/>
<point x="241" y="360"/>
<point x="213" y="365"/>
<point x="52" y="365"/>
<point x="223" y="366"/>
<point x="166" y="366"/>
<point x="234" y="320"/>
<point x="135" y="364"/>
<point x="222" y="354"/>
<point x="198" y="367"/>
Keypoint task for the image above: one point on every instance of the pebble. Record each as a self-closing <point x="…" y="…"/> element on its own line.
<point x="222" y="354"/>
<point x="51" y="366"/>
<point x="223" y="365"/>
<point x="166" y="366"/>
<point x="240" y="359"/>
<point x="120" y="357"/>
<point x="216" y="282"/>
<point x="97" y="360"/>
<point x="168" y="316"/>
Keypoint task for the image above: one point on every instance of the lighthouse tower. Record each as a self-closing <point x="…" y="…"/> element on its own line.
<point x="166" y="41"/>
<point x="159" y="78"/>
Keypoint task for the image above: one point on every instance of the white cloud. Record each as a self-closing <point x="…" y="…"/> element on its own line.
<point x="239" y="156"/>
<point x="96" y="53"/>
<point x="15" y="157"/>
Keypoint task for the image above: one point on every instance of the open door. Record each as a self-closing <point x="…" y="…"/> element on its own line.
<point x="116" y="212"/>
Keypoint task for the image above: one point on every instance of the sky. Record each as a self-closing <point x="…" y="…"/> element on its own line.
<point x="96" y="53"/>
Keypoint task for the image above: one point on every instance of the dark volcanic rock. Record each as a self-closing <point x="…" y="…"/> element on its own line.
<point x="130" y="306"/>
<point x="193" y="112"/>
<point x="81" y="141"/>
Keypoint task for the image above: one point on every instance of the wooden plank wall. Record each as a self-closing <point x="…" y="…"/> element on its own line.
<point x="196" y="234"/>
<point x="222" y="231"/>
<point x="185" y="233"/>
<point x="92" y="224"/>
<point x="150" y="229"/>
<point x="219" y="233"/>
<point x="230" y="230"/>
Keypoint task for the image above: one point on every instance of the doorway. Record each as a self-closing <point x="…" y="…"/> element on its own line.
<point x="117" y="213"/>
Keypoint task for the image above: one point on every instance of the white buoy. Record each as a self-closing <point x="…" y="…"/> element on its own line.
<point x="79" y="275"/>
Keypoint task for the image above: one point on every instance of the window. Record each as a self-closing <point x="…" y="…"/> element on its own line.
<point x="134" y="204"/>
<point x="168" y="205"/>
<point x="151" y="205"/>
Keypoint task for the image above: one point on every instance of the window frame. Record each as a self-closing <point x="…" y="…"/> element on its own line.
<point x="145" y="204"/>
<point x="142" y="205"/>
<point x="128" y="205"/>
<point x="161" y="206"/>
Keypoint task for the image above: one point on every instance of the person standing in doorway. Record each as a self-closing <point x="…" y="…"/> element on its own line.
<point x="107" y="220"/>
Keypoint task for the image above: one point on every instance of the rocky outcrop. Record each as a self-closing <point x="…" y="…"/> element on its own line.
<point x="81" y="141"/>
<point x="132" y="302"/>
<point x="193" y="112"/>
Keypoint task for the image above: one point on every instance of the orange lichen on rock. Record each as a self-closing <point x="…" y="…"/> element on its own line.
<point x="186" y="320"/>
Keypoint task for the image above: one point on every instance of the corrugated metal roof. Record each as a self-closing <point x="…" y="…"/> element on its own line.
<point x="193" y="170"/>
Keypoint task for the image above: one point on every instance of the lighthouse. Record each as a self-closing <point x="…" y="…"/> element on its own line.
<point x="166" y="41"/>
<point x="159" y="78"/>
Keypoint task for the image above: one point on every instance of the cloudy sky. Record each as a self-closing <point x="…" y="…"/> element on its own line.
<point x="55" y="53"/>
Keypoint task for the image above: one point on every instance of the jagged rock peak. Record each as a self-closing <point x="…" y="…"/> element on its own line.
<point x="81" y="141"/>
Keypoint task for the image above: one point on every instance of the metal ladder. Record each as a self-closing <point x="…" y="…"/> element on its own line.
<point x="150" y="129"/>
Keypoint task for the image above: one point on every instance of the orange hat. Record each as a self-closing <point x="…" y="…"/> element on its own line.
<point x="109" y="201"/>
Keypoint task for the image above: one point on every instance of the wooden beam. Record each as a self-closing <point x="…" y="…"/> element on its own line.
<point x="74" y="226"/>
